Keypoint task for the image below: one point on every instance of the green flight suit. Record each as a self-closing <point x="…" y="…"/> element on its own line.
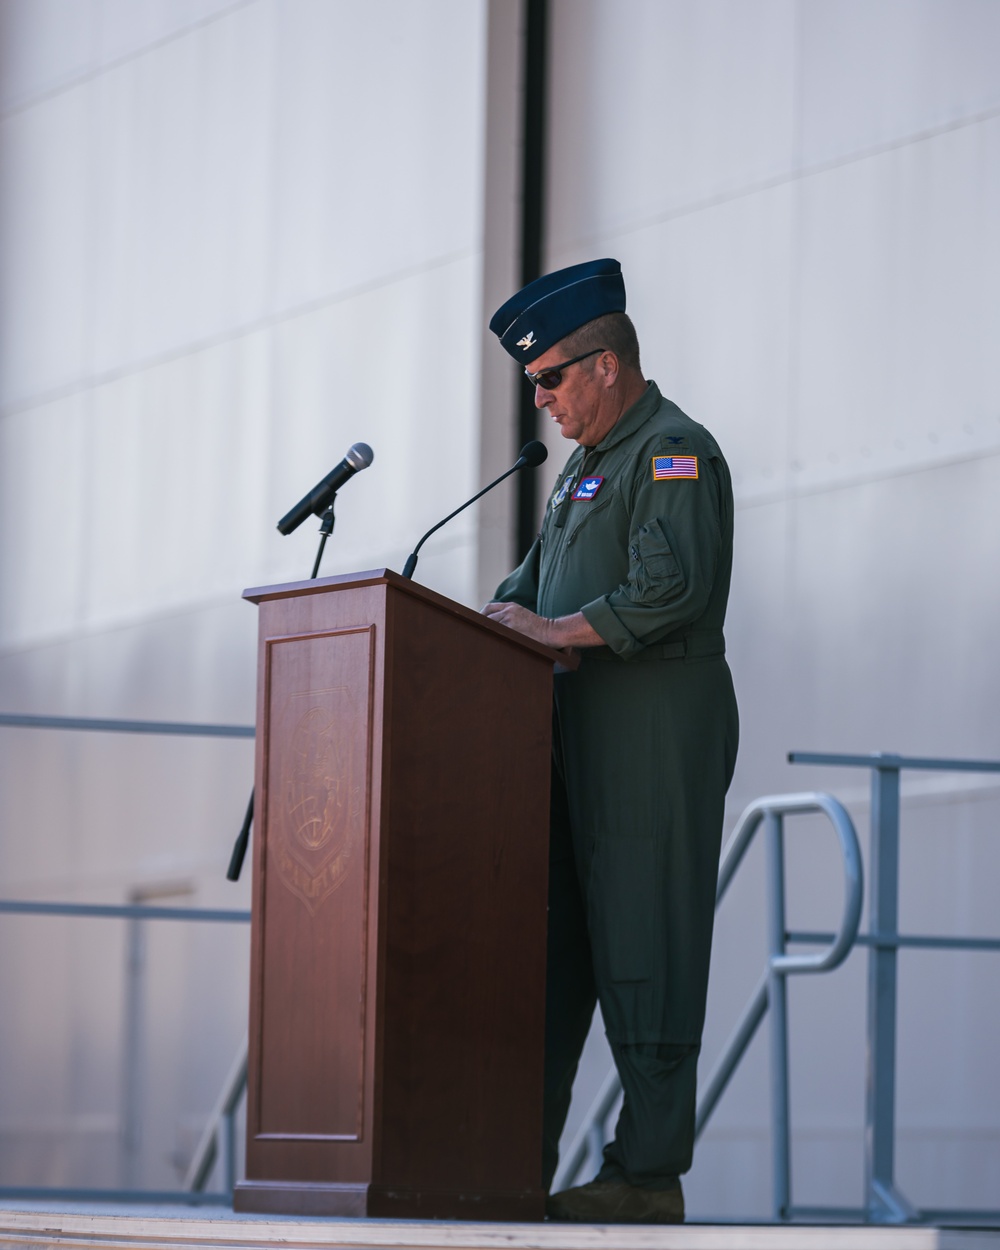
<point x="645" y="736"/>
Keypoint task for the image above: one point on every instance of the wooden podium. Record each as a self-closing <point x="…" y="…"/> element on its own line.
<point x="399" y="902"/>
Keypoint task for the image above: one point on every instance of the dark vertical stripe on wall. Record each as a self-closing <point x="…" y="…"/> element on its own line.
<point x="532" y="244"/>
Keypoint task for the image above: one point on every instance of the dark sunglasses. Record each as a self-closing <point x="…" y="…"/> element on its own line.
<point x="549" y="379"/>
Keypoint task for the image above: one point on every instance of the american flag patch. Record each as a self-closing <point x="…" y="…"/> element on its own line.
<point x="674" y="466"/>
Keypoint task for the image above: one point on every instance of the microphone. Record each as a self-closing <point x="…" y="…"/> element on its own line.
<point x="321" y="496"/>
<point x="531" y="456"/>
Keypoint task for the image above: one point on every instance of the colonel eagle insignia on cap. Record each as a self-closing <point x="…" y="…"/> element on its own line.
<point x="527" y="341"/>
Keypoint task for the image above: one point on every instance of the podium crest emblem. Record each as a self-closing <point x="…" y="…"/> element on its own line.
<point x="320" y="806"/>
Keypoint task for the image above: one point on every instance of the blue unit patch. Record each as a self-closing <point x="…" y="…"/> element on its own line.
<point x="562" y="492"/>
<point x="587" y="489"/>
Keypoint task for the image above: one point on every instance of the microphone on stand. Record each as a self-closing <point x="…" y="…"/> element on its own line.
<point x="532" y="455"/>
<point x="319" y="501"/>
<point x="321" y="496"/>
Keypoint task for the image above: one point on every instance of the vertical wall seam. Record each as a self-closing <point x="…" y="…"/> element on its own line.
<point x="534" y="124"/>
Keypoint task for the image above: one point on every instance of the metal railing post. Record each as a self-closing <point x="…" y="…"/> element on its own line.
<point x="777" y="993"/>
<point x="229" y="1127"/>
<point x="884" y="1204"/>
<point x="133" y="1052"/>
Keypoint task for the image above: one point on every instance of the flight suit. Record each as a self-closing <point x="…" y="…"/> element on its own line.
<point x="637" y="535"/>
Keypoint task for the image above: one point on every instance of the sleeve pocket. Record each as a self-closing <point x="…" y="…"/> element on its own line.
<point x="654" y="569"/>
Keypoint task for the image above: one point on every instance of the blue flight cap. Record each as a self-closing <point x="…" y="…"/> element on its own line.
<point x="551" y="307"/>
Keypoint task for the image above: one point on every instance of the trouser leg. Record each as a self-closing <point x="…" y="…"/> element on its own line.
<point x="570" y="996"/>
<point x="654" y="1136"/>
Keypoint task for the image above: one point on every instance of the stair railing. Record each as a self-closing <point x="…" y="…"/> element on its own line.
<point x="220" y="1130"/>
<point x="771" y="991"/>
<point x="884" y="1201"/>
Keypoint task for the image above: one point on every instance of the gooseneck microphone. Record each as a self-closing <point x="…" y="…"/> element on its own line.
<point x="321" y="496"/>
<point x="532" y="455"/>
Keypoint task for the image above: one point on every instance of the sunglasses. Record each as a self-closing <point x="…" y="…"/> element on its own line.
<point x="549" y="379"/>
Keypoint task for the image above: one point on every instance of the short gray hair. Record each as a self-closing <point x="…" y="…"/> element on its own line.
<point x="614" y="332"/>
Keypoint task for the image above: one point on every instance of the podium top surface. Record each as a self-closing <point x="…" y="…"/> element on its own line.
<point x="386" y="577"/>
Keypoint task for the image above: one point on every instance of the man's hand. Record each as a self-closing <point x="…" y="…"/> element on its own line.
<point x="563" y="633"/>
<point x="515" y="617"/>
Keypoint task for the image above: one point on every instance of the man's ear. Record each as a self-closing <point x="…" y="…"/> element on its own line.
<point x="607" y="364"/>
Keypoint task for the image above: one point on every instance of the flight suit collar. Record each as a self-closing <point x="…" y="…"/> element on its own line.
<point x="632" y="418"/>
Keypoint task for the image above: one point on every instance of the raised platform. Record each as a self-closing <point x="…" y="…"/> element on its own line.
<point x="147" y="1228"/>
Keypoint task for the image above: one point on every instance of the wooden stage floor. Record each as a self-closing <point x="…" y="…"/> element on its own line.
<point x="81" y="1226"/>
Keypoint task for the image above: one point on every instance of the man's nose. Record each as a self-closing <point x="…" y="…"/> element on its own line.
<point x="541" y="396"/>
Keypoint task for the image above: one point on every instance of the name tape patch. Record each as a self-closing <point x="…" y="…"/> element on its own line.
<point x="587" y="489"/>
<point x="666" y="467"/>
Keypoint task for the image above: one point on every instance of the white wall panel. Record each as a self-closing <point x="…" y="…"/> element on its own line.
<point x="378" y="127"/>
<point x="182" y="166"/>
<point x="730" y="1172"/>
<point x="167" y="509"/>
<point x="897" y="318"/>
<point x="236" y="238"/>
<point x="709" y="295"/>
<point x="396" y="368"/>
<point x="949" y="1104"/>
<point x="70" y="795"/>
<point x="949" y="1100"/>
<point x="889" y="590"/>
<point x="190" y="665"/>
<point x="190" y="437"/>
<point x="43" y="46"/>
<point x="192" y="462"/>
<point x="136" y="210"/>
<point x="124" y="27"/>
<point x="876" y="73"/>
<point x="44" y="456"/>
<point x="760" y="628"/>
<point x="46" y="237"/>
<point x="658" y="106"/>
<point x="870" y="577"/>
<point x="48" y="44"/>
<point x="52" y="1094"/>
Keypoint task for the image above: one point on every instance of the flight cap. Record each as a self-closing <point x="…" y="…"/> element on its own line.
<point x="555" y="305"/>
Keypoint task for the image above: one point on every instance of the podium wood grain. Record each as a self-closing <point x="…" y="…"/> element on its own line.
<point x="398" y="934"/>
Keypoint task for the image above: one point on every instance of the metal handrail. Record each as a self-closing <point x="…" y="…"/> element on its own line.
<point x="779" y="963"/>
<point x="124" y="911"/>
<point x="223" y="1115"/>
<point x="94" y="724"/>
<point x="221" y="1120"/>
<point x="800" y="804"/>
<point x="884" y="1201"/>
<point x="771" y="989"/>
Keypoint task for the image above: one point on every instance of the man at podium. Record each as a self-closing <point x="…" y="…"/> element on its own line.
<point x="632" y="568"/>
